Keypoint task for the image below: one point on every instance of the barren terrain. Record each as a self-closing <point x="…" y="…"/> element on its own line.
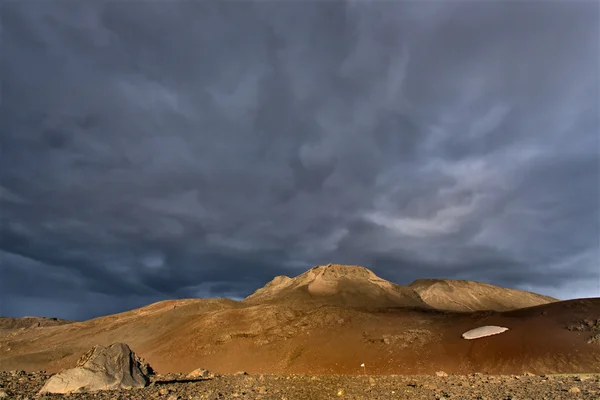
<point x="19" y="385"/>
<point x="329" y="321"/>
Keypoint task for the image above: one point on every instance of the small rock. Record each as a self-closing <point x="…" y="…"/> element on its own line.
<point x="241" y="373"/>
<point x="441" y="373"/>
<point x="3" y="394"/>
<point x="201" y="373"/>
<point x="574" y="389"/>
<point x="594" y="339"/>
<point x="164" y="391"/>
<point x="173" y="397"/>
<point x="261" y="389"/>
<point x="340" y="392"/>
<point x="372" y="381"/>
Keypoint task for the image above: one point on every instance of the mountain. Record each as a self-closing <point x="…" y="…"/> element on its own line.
<point x="356" y="286"/>
<point x="28" y="322"/>
<point x="461" y="295"/>
<point x="334" y="284"/>
<point x="328" y="320"/>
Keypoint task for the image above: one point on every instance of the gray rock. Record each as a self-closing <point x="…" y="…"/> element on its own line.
<point x="101" y="368"/>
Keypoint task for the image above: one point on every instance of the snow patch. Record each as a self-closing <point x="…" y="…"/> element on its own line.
<point x="483" y="331"/>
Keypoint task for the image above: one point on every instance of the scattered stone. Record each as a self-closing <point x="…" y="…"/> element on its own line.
<point x="585" y="325"/>
<point x="101" y="368"/>
<point x="594" y="339"/>
<point x="241" y="373"/>
<point x="261" y="389"/>
<point x="441" y="373"/>
<point x="273" y="387"/>
<point x="3" y="394"/>
<point x="201" y="373"/>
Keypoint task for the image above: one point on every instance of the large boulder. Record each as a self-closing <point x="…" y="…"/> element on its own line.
<point x="102" y="368"/>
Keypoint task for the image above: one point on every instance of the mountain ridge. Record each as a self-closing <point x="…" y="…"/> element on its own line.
<point x="329" y="320"/>
<point x="336" y="284"/>
<point x="355" y="285"/>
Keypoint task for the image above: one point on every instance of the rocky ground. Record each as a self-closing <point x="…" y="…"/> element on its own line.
<point x="21" y="385"/>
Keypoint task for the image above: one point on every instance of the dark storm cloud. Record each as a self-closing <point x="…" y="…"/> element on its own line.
<point x="157" y="150"/>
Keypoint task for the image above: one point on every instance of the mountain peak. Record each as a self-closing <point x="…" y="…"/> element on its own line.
<point x="337" y="284"/>
<point x="337" y="271"/>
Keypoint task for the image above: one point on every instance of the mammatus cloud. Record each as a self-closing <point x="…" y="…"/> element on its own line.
<point x="154" y="150"/>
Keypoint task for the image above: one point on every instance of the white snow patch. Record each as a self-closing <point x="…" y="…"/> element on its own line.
<point x="483" y="331"/>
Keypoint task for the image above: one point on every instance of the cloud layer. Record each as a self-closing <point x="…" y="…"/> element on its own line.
<point x="155" y="150"/>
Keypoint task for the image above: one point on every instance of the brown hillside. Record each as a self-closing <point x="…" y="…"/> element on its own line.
<point x="272" y="333"/>
<point x="30" y="322"/>
<point x="461" y="295"/>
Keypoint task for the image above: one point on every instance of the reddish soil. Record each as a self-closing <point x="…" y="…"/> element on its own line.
<point x="225" y="337"/>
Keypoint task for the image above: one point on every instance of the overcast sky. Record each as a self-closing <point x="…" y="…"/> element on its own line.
<point x="169" y="149"/>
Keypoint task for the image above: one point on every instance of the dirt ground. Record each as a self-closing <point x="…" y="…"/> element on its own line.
<point x="20" y="385"/>
<point x="225" y="337"/>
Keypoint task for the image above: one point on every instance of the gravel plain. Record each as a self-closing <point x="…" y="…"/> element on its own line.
<point x="20" y="385"/>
